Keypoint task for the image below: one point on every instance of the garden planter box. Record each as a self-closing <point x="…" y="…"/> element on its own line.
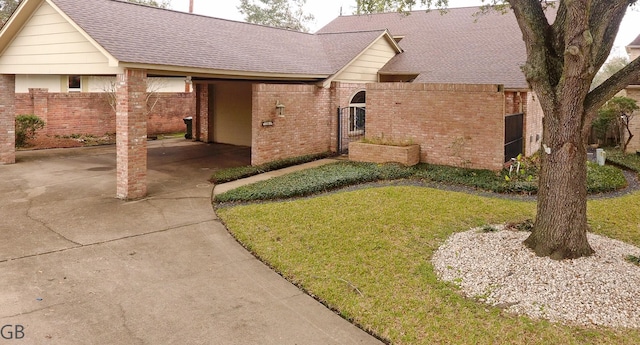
<point x="375" y="153"/>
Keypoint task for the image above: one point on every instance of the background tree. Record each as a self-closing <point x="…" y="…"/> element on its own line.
<point x="6" y="9"/>
<point x="610" y="68"/>
<point x="562" y="60"/>
<point x="284" y="14"/>
<point x="617" y="114"/>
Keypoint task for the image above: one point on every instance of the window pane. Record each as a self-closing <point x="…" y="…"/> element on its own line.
<point x="360" y="97"/>
<point x="74" y="82"/>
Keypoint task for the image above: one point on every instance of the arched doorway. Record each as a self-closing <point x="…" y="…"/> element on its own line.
<point x="351" y="121"/>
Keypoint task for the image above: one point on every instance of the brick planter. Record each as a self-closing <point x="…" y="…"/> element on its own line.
<point x="375" y="153"/>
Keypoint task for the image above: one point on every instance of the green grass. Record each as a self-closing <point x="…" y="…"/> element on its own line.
<point x="367" y="254"/>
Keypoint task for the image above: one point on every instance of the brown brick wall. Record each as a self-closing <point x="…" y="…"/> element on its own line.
<point x="533" y="124"/>
<point x="514" y="102"/>
<point x="458" y="125"/>
<point x="90" y="113"/>
<point x="341" y="94"/>
<point x="131" y="139"/>
<point x="7" y="119"/>
<point x="304" y="129"/>
<point x="634" y="124"/>
<point x="201" y="118"/>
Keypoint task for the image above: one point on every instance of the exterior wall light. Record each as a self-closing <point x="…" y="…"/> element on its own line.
<point x="279" y="109"/>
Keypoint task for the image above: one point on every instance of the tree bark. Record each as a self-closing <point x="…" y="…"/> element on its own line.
<point x="560" y="229"/>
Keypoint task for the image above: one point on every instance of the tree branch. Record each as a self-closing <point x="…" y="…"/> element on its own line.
<point x="601" y="94"/>
<point x="603" y="25"/>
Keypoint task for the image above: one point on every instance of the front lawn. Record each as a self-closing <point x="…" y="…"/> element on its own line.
<point x="366" y="253"/>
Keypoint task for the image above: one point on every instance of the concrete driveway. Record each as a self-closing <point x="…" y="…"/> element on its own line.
<point x="79" y="266"/>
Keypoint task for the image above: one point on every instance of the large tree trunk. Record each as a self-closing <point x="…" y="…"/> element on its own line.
<point x="560" y="230"/>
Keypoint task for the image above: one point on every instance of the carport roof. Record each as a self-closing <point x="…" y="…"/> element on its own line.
<point x="142" y="36"/>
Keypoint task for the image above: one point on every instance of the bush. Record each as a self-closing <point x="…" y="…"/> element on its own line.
<point x="604" y="178"/>
<point x="26" y="128"/>
<point x="343" y="174"/>
<point x="628" y="161"/>
<point x="312" y="181"/>
<point x="232" y="174"/>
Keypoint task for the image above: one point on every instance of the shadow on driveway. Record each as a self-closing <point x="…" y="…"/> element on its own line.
<point x="79" y="266"/>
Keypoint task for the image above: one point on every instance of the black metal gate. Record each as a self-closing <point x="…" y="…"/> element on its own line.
<point x="513" y="136"/>
<point x="351" y="126"/>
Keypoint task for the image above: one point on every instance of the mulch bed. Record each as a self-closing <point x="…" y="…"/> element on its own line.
<point x="41" y="142"/>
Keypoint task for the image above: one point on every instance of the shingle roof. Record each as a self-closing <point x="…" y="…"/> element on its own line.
<point x="140" y="34"/>
<point x="449" y="48"/>
<point x="341" y="48"/>
<point x="635" y="43"/>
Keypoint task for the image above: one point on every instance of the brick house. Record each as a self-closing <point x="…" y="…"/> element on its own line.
<point x="278" y="91"/>
<point x="633" y="91"/>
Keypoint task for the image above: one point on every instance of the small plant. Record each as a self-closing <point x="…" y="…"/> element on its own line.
<point x="633" y="259"/>
<point x="26" y="127"/>
<point x="526" y="225"/>
<point x="488" y="228"/>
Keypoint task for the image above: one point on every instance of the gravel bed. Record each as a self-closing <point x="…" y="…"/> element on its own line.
<point x="496" y="268"/>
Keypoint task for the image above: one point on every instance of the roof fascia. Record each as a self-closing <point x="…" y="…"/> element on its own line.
<point x="386" y="35"/>
<point x="217" y="73"/>
<point x="113" y="62"/>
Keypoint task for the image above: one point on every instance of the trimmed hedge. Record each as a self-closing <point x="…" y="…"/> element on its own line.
<point x="232" y="174"/>
<point x="312" y="181"/>
<point x="346" y="173"/>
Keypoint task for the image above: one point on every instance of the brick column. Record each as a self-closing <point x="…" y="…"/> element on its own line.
<point x="201" y="120"/>
<point x="7" y="119"/>
<point x="40" y="99"/>
<point x="131" y="134"/>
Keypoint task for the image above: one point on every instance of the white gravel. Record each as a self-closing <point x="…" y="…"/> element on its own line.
<point x="495" y="267"/>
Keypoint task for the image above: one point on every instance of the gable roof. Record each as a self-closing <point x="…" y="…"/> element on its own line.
<point x="455" y="47"/>
<point x="635" y="43"/>
<point x="159" y="39"/>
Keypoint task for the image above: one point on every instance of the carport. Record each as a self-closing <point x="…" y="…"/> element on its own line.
<point x="65" y="37"/>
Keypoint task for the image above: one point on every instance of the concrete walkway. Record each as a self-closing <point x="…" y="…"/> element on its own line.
<point x="225" y="187"/>
<point x="81" y="267"/>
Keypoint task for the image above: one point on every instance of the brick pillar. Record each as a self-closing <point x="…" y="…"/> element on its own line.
<point x="7" y="119"/>
<point x="40" y="99"/>
<point x="201" y="120"/>
<point x="131" y="134"/>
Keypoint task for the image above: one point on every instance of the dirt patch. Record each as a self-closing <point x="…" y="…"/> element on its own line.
<point x="41" y="142"/>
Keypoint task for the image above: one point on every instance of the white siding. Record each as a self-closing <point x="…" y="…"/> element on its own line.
<point x="157" y="84"/>
<point x="48" y="44"/>
<point x="365" y="68"/>
<point x="25" y="82"/>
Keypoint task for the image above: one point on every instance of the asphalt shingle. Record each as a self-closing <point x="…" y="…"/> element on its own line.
<point x="141" y="34"/>
<point x="454" y="47"/>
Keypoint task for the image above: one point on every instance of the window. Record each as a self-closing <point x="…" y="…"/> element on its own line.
<point x="357" y="113"/>
<point x="75" y="83"/>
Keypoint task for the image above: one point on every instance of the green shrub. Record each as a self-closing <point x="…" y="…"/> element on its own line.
<point x="343" y="174"/>
<point x="604" y="178"/>
<point x="232" y="174"/>
<point x="26" y="128"/>
<point x="312" y="181"/>
<point x="628" y="161"/>
<point x="633" y="259"/>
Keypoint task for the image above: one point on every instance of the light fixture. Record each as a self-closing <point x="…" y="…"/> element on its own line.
<point x="279" y="109"/>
